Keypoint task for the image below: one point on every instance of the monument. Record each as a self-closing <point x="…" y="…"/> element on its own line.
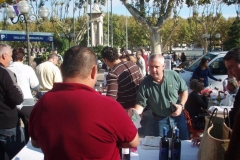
<point x="96" y="25"/>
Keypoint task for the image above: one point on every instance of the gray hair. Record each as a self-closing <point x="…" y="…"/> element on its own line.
<point x="4" y="48"/>
<point x="156" y="56"/>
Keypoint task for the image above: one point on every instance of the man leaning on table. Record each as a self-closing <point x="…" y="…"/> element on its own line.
<point x="157" y="90"/>
<point x="73" y="121"/>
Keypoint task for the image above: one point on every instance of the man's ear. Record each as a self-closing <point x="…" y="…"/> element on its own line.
<point x="94" y="72"/>
<point x="4" y="55"/>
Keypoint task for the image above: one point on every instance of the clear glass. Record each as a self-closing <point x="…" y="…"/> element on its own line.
<point x="24" y="7"/>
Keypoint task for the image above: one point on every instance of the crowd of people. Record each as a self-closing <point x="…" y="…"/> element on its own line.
<point x="71" y="120"/>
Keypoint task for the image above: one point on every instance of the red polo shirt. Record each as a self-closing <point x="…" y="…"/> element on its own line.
<point x="72" y="121"/>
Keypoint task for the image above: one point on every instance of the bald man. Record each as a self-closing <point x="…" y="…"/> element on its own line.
<point x="159" y="89"/>
<point x="78" y="122"/>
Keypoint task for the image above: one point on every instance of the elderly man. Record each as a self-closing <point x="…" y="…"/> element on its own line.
<point x="11" y="134"/>
<point x="77" y="121"/>
<point x="123" y="79"/>
<point x="159" y="90"/>
<point x="48" y="73"/>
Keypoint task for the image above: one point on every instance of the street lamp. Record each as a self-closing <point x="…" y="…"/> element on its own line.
<point x="26" y="17"/>
<point x="209" y="36"/>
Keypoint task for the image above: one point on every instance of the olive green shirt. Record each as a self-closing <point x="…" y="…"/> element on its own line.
<point x="158" y="96"/>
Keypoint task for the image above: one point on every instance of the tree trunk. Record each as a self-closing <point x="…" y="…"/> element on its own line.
<point x="155" y="40"/>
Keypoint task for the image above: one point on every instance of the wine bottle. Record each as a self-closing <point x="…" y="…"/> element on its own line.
<point x="125" y="153"/>
<point x="176" y="147"/>
<point x="164" y="146"/>
<point x="219" y="98"/>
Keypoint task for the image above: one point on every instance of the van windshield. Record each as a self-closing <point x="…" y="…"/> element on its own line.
<point x="194" y="65"/>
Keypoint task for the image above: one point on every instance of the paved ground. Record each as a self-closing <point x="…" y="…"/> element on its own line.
<point x="147" y="118"/>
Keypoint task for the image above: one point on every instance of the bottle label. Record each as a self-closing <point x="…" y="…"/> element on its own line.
<point x="125" y="150"/>
<point x="176" y="153"/>
<point x="164" y="151"/>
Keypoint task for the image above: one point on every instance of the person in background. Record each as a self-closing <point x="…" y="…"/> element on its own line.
<point x="123" y="79"/>
<point x="232" y="86"/>
<point x="48" y="73"/>
<point x="225" y="82"/>
<point x="123" y="57"/>
<point x="145" y="57"/>
<point x="26" y="79"/>
<point x="11" y="133"/>
<point x="202" y="72"/>
<point x="196" y="103"/>
<point x="76" y="125"/>
<point x="141" y="63"/>
<point x="183" y="57"/>
<point x="158" y="91"/>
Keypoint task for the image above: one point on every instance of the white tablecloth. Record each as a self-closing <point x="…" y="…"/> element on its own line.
<point x="187" y="153"/>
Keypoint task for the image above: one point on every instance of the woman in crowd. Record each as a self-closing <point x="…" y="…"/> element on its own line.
<point x="202" y="72"/>
<point x="196" y="103"/>
<point x="232" y="86"/>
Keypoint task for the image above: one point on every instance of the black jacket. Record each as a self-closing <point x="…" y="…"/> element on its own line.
<point x="10" y="96"/>
<point x="194" y="104"/>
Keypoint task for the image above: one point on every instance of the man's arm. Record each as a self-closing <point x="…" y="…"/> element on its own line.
<point x="133" y="144"/>
<point x="183" y="99"/>
<point x="13" y="91"/>
<point x="112" y="86"/>
<point x="35" y="144"/>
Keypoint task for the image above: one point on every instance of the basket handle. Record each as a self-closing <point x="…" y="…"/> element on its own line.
<point x="226" y="116"/>
<point x="213" y="116"/>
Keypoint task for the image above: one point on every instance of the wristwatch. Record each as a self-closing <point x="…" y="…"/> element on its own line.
<point x="181" y="105"/>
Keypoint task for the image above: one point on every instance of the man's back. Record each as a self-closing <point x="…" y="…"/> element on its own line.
<point x="47" y="74"/>
<point x="81" y="124"/>
<point x="26" y="78"/>
<point x="10" y="96"/>
<point x="123" y="81"/>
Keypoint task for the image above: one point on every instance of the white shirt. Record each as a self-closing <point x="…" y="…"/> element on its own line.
<point x="26" y="79"/>
<point x="47" y="74"/>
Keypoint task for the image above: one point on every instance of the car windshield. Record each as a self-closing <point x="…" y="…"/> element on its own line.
<point x="194" y="65"/>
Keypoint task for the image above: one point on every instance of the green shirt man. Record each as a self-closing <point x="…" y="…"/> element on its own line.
<point x="156" y="91"/>
<point x="158" y="96"/>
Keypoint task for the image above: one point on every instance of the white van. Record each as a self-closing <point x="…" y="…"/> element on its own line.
<point x="216" y="66"/>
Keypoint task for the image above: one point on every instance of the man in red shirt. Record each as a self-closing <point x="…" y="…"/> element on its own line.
<point x="73" y="121"/>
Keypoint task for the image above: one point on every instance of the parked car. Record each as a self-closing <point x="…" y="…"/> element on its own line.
<point x="216" y="66"/>
<point x="99" y="63"/>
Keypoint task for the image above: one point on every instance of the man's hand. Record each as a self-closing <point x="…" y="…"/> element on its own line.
<point x="130" y="112"/>
<point x="202" y="79"/>
<point x="178" y="111"/>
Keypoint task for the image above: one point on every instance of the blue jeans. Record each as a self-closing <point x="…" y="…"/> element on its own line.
<point x="11" y="142"/>
<point x="169" y="122"/>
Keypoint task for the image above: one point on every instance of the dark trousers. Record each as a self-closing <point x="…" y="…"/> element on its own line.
<point x="24" y="114"/>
